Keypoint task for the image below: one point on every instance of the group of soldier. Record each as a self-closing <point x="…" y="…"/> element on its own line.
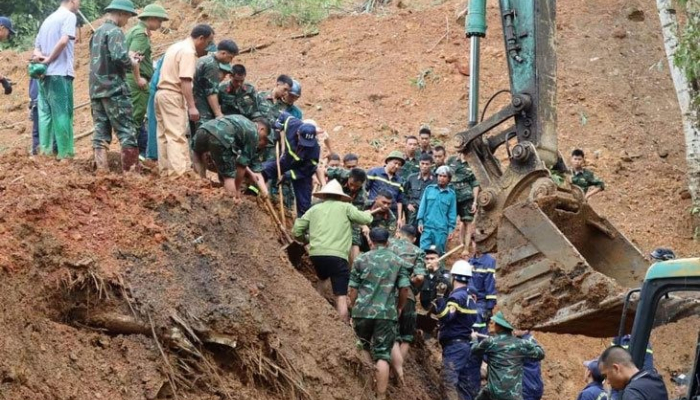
<point x="378" y="236"/>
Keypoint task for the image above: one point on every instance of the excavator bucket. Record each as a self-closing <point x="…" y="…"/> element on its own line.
<point x="563" y="267"/>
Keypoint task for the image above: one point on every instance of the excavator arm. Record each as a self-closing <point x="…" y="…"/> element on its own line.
<point x="562" y="267"/>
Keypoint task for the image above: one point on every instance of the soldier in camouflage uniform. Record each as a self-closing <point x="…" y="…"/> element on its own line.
<point x="109" y="93"/>
<point x="506" y="354"/>
<point x="377" y="280"/>
<point x="233" y="142"/>
<point x="207" y="77"/>
<point x="404" y="247"/>
<point x="466" y="187"/>
<point x="411" y="158"/>
<point x="414" y="186"/>
<point x="238" y="96"/>
<point x="353" y="182"/>
<point x="584" y="178"/>
<point x="386" y="219"/>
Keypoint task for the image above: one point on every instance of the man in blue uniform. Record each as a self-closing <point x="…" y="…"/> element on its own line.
<point x="616" y="365"/>
<point x="483" y="285"/>
<point x="533" y="386"/>
<point x="456" y="315"/>
<point x="299" y="160"/>
<point x="387" y="178"/>
<point x="594" y="383"/>
<point x="437" y="213"/>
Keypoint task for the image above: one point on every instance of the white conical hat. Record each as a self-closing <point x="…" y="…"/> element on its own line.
<point x="332" y="188"/>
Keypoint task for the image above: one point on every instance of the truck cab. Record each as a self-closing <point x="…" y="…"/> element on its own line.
<point x="670" y="285"/>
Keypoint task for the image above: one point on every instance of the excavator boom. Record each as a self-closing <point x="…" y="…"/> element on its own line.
<point x="562" y="267"/>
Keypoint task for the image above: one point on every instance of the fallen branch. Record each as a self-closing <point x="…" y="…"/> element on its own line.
<point x="446" y="35"/>
<point x="171" y="375"/>
<point x="261" y="11"/>
<point x="306" y="35"/>
<point x="84" y="135"/>
<point x="256" y="47"/>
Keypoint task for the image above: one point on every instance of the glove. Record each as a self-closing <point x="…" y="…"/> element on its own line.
<point x="279" y="122"/>
<point x="7" y="85"/>
<point x="441" y="289"/>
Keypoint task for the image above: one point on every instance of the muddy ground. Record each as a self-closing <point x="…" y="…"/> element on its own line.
<point x="174" y="266"/>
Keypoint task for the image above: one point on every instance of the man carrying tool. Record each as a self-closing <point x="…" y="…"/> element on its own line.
<point x="594" y="389"/>
<point x="584" y="178"/>
<point x="138" y="41"/>
<point x="404" y="247"/>
<point x="415" y="185"/>
<point x="456" y="315"/>
<point x="238" y="96"/>
<point x="174" y="101"/>
<point x="299" y="160"/>
<point x="328" y="226"/>
<point x="55" y="47"/>
<point x="483" y="286"/>
<point x="506" y="355"/>
<point x="233" y="142"/>
<point x="467" y="189"/>
<point x="109" y="93"/>
<point x="617" y="366"/>
<point x="378" y="279"/>
<point x="207" y="78"/>
<point x="386" y="178"/>
<point x="353" y="182"/>
<point x="437" y="213"/>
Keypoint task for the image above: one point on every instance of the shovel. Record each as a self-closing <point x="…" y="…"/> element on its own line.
<point x="295" y="250"/>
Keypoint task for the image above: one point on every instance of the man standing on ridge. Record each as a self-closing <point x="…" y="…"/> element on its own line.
<point x="55" y="47"/>
<point x="138" y="40"/>
<point x="174" y="101"/>
<point x="109" y="94"/>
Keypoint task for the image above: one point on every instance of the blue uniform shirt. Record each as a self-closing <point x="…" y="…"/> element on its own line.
<point x="456" y="315"/>
<point x="533" y="386"/>
<point x="438" y="209"/>
<point x="378" y="180"/>
<point x="593" y="391"/>
<point x="483" y="282"/>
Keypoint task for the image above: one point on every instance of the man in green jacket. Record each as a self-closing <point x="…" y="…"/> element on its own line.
<point x="506" y="355"/>
<point x="329" y="228"/>
<point x="138" y="40"/>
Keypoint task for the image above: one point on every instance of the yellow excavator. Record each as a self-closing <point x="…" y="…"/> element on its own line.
<point x="562" y="267"/>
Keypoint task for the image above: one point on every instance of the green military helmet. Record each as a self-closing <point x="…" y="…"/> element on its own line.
<point x="154" y="11"/>
<point x="500" y="319"/>
<point x="395" y="155"/>
<point x="225" y="67"/>
<point x="121" y="5"/>
<point x="37" y="70"/>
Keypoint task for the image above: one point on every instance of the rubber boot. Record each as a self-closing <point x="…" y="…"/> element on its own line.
<point x="130" y="159"/>
<point x="101" y="162"/>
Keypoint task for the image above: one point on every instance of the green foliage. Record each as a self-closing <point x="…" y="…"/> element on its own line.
<point x="425" y="76"/>
<point x="687" y="56"/>
<point x="27" y="16"/>
<point x="303" y="12"/>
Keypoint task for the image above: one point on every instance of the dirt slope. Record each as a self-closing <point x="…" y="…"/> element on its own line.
<point x="65" y="233"/>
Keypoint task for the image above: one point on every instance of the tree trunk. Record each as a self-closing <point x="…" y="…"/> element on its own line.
<point x="684" y="91"/>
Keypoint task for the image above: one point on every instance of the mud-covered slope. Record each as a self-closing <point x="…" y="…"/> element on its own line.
<point x="125" y="286"/>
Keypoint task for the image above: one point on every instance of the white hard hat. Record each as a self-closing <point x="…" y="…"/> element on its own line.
<point x="461" y="268"/>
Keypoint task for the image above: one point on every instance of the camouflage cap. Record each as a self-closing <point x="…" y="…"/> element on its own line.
<point x="395" y="155"/>
<point x="500" y="319"/>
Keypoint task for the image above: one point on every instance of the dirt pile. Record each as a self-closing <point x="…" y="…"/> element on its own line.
<point x="124" y="286"/>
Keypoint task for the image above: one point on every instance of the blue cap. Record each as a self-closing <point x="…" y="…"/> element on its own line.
<point x="4" y="21"/>
<point x="307" y="135"/>
<point x="592" y="366"/>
